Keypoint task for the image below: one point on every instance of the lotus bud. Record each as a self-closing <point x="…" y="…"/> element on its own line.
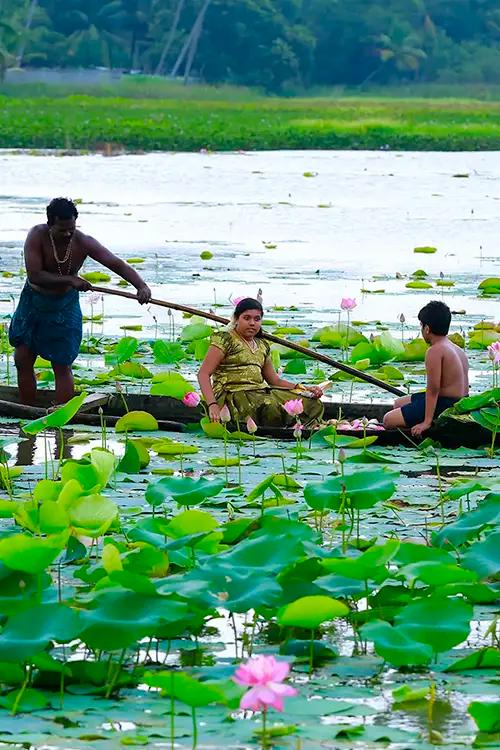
<point x="342" y="455"/>
<point x="191" y="399"/>
<point x="251" y="426"/>
<point x="297" y="430"/>
<point x="402" y="318"/>
<point x="225" y="414"/>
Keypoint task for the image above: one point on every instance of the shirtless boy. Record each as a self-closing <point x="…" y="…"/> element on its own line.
<point x="48" y="319"/>
<point x="447" y="370"/>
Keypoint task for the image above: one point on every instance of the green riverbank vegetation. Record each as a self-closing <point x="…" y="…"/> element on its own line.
<point x="115" y="124"/>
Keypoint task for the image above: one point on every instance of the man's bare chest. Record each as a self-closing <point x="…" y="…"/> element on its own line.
<point x="65" y="257"/>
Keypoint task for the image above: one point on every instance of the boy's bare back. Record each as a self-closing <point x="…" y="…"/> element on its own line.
<point x="454" y="368"/>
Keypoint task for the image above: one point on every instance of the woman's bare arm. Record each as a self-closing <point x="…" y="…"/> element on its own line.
<point x="213" y="359"/>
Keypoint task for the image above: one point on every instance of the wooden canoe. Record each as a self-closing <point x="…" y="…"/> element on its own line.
<point x="172" y="415"/>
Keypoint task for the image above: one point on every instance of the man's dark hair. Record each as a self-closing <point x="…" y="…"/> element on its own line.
<point x="61" y="208"/>
<point x="437" y="316"/>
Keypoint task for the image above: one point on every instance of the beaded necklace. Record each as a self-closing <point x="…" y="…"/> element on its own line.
<point x="67" y="255"/>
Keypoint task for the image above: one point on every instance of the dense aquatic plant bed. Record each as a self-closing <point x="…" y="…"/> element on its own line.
<point x="89" y="123"/>
<point x="139" y="570"/>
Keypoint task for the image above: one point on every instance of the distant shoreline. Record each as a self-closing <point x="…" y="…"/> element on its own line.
<point x="114" y="125"/>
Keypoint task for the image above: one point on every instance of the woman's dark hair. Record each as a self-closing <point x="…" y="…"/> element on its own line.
<point x="437" y="316"/>
<point x="60" y="208"/>
<point x="248" y="304"/>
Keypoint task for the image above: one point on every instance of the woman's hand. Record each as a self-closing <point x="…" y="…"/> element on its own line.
<point x="316" y="391"/>
<point x="214" y="413"/>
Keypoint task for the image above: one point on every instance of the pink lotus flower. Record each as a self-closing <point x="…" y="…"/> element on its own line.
<point x="236" y="301"/>
<point x="251" y="426"/>
<point x="225" y="414"/>
<point x="348" y="303"/>
<point x="494" y="352"/>
<point x="265" y="676"/>
<point x="191" y="399"/>
<point x="294" y="407"/>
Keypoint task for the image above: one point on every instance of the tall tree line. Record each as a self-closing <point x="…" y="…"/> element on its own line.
<point x="275" y="44"/>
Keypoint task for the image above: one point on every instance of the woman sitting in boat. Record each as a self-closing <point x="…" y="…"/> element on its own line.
<point x="238" y="372"/>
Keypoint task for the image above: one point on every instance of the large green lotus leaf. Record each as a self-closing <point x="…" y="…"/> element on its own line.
<point x="24" y="701"/>
<point x="130" y="462"/>
<point x="311" y="611"/>
<point x="346" y="441"/>
<point x="52" y="518"/>
<point x="370" y="565"/>
<point x="191" y="522"/>
<point x="469" y="524"/>
<point x="174" y="448"/>
<point x="362" y="488"/>
<point x="72" y="489"/>
<point x="31" y="554"/>
<point x="168" y="352"/>
<point x="29" y="632"/>
<point x="435" y="573"/>
<point x="170" y="384"/>
<point x="490" y="283"/>
<point x="485" y="658"/>
<point x="57" y="418"/>
<point x="184" y="490"/>
<point x="119" y="618"/>
<point x="104" y="463"/>
<point x="484" y="556"/>
<point x="414" y="351"/>
<point x="395" y="645"/>
<point x="122" y="351"/>
<point x="366" y="350"/>
<point x="483" y="339"/>
<point x="417" y="284"/>
<point x="92" y="472"/>
<point x="47" y="489"/>
<point x="136" y="420"/>
<point x="296" y="367"/>
<point x="486" y="715"/>
<point x="200" y="348"/>
<point x="185" y="688"/>
<point x="469" y="403"/>
<point x="81" y="472"/>
<point x="464" y="487"/>
<point x="195" y="330"/>
<point x="94" y="276"/>
<point x="92" y="515"/>
<point x="335" y="336"/>
<point x="488" y="417"/>
<point x="388" y="345"/>
<point x="214" y="430"/>
<point x="438" y="621"/>
<point x="268" y="552"/>
<point x="409" y="552"/>
<point x="131" y="370"/>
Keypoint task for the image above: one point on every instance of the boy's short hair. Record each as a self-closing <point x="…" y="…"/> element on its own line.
<point x="437" y="316"/>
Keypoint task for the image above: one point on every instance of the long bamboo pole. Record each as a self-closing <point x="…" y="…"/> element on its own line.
<point x="269" y="336"/>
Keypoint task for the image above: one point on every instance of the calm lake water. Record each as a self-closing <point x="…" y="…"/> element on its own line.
<point x="360" y="215"/>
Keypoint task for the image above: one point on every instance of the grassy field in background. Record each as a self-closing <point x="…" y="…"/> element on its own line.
<point x="201" y="117"/>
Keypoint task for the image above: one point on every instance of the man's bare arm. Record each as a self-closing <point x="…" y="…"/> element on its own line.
<point x="33" y="256"/>
<point x="104" y="256"/>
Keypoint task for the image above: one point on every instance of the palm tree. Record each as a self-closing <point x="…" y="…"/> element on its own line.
<point x="170" y="36"/>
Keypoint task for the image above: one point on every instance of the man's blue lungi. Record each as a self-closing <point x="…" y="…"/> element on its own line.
<point x="49" y="325"/>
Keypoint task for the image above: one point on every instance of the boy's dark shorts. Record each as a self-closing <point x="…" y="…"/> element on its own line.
<point x="414" y="412"/>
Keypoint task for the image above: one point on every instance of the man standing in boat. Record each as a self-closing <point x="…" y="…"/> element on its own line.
<point x="48" y="319"/>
